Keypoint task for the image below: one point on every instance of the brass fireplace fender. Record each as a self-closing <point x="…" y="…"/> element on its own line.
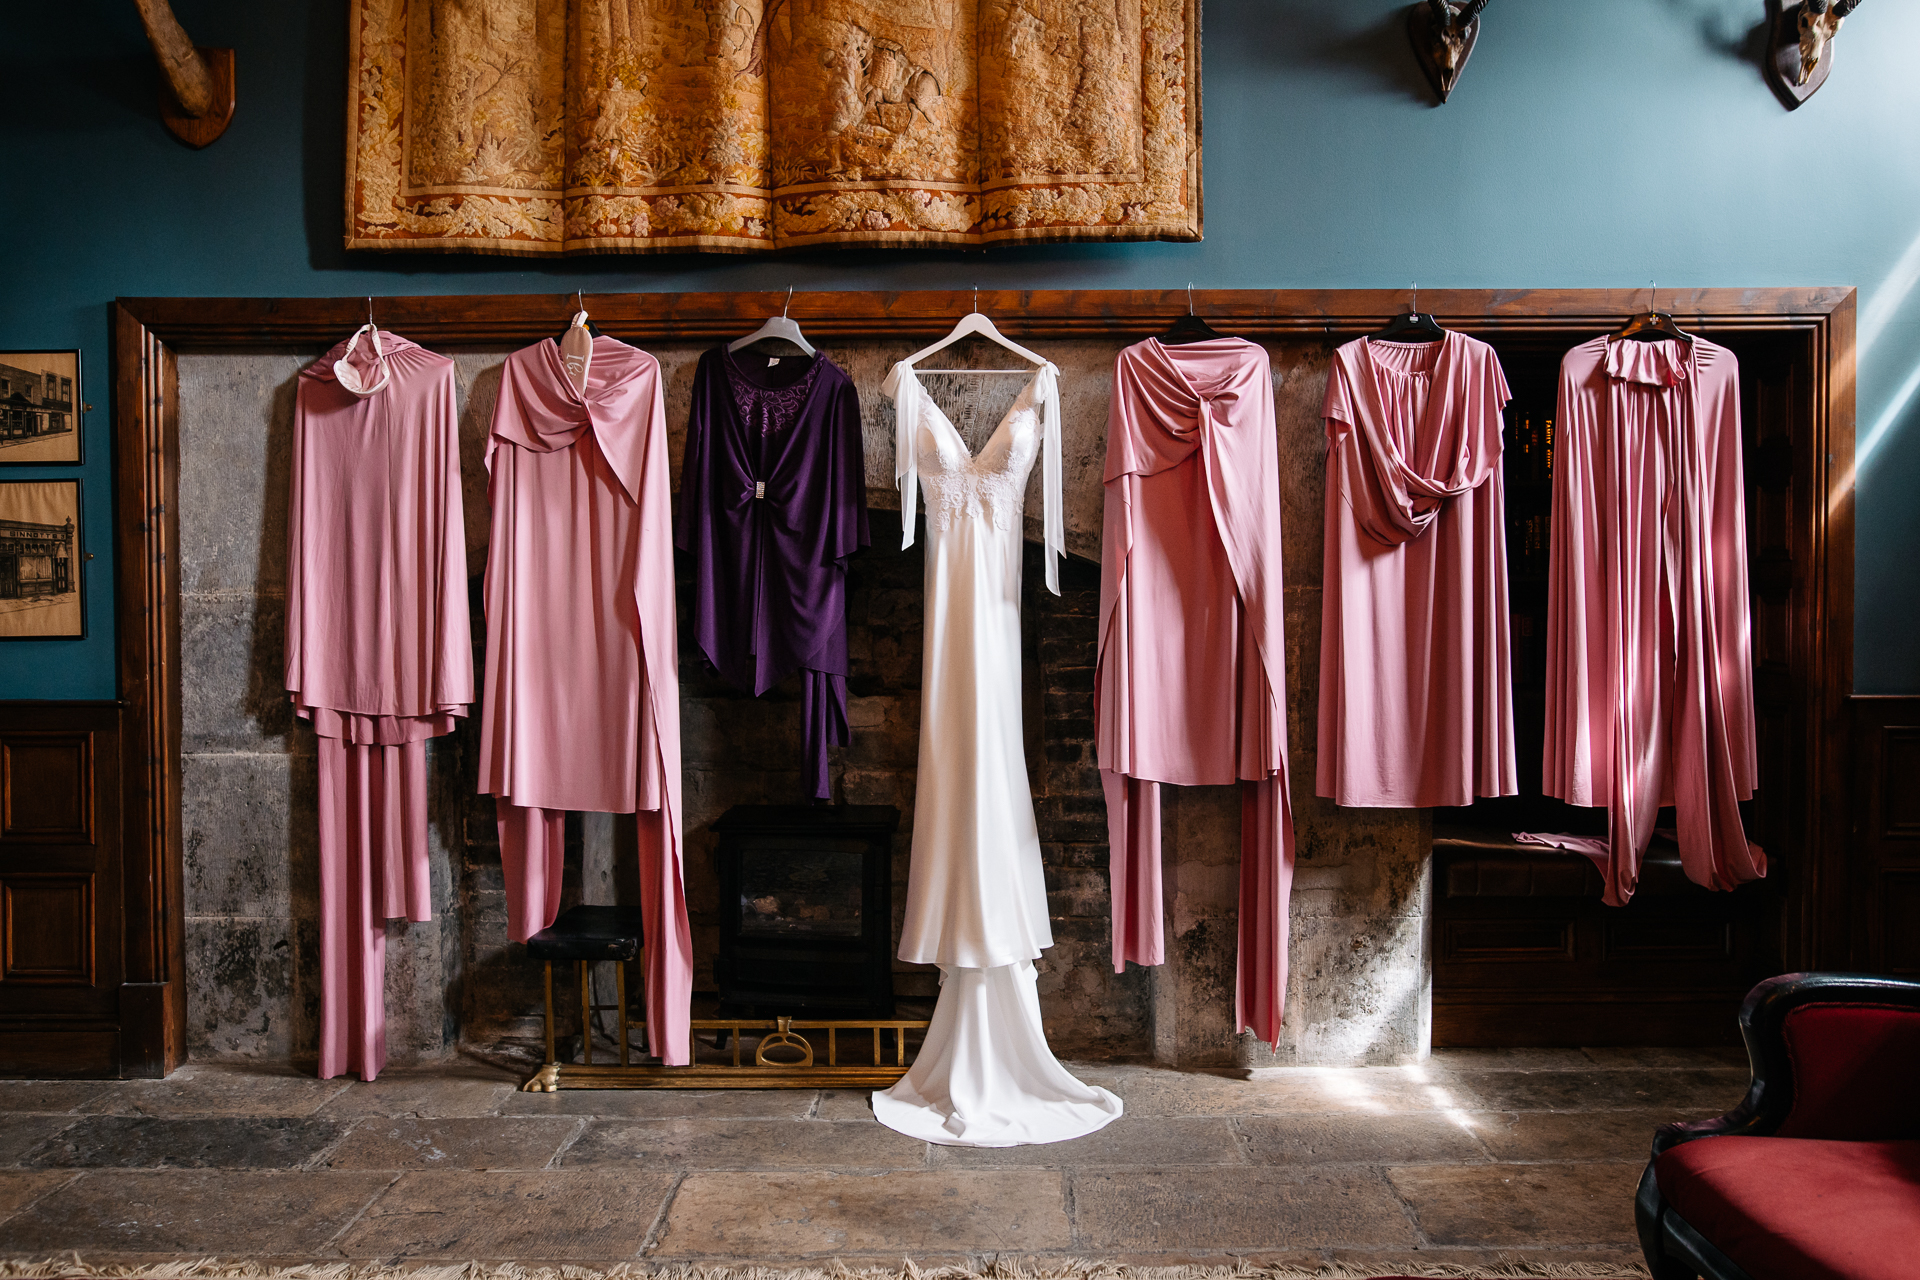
<point x="764" y="1071"/>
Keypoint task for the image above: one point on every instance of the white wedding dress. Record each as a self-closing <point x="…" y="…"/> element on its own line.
<point x="976" y="895"/>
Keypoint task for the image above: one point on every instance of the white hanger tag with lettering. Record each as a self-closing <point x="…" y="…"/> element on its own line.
<point x="576" y="351"/>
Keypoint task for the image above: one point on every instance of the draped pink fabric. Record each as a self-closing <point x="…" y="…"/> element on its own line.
<point x="1192" y="660"/>
<point x="582" y="706"/>
<point x="1649" y="662"/>
<point x="1416" y="691"/>
<point x="379" y="655"/>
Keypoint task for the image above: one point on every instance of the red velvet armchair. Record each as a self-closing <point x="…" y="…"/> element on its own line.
<point x="1816" y="1174"/>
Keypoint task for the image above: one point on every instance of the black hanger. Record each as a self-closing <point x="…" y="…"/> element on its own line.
<point x="1410" y="325"/>
<point x="580" y="304"/>
<point x="1188" y="328"/>
<point x="1652" y="326"/>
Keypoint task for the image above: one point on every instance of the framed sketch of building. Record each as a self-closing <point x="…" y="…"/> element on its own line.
<point x="40" y="407"/>
<point x="40" y="555"/>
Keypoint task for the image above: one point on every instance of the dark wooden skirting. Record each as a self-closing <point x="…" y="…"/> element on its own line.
<point x="1885" y="870"/>
<point x="147" y="332"/>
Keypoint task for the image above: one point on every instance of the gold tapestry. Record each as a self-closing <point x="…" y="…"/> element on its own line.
<point x="583" y="126"/>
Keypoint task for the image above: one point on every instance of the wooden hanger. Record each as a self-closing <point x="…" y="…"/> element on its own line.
<point x="1189" y="327"/>
<point x="576" y="345"/>
<point x="776" y="327"/>
<point x="972" y="324"/>
<point x="1410" y="327"/>
<point x="580" y="308"/>
<point x="1652" y="325"/>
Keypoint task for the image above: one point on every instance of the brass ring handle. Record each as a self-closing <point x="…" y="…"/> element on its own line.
<point x="783" y="1039"/>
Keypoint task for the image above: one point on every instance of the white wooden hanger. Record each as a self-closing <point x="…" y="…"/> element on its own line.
<point x="974" y="322"/>
<point x="776" y="327"/>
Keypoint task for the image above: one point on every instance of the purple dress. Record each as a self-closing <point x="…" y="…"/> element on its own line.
<point x="773" y="499"/>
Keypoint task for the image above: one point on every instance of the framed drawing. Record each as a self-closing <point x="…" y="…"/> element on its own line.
<point x="40" y="407"/>
<point x="40" y="555"/>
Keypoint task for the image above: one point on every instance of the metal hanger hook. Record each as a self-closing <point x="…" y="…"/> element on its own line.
<point x="976" y="297"/>
<point x="1651" y="294"/>
<point x="369" y="310"/>
<point x="1189" y="297"/>
<point x="787" y="303"/>
<point x="579" y="300"/>
<point x="1416" y="299"/>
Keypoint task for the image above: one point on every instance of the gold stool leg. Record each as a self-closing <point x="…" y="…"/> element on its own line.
<point x="550" y="1011"/>
<point x="586" y="1013"/>
<point x="620" y="986"/>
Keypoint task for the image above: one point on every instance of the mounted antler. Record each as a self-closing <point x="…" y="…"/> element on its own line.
<point x="1819" y="24"/>
<point x="200" y="81"/>
<point x="186" y="71"/>
<point x="1443" y="35"/>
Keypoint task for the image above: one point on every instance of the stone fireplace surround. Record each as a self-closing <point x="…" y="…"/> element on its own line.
<point x="1359" y="991"/>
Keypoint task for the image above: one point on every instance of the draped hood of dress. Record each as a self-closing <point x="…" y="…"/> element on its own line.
<point x="1399" y="492"/>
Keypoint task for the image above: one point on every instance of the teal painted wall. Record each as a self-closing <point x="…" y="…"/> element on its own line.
<point x="1589" y="145"/>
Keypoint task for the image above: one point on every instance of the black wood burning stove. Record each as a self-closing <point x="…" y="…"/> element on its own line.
<point x="806" y="895"/>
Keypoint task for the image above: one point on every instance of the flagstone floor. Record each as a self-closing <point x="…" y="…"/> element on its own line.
<point x="1476" y="1157"/>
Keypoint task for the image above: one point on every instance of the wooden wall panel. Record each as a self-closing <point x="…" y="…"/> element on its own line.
<point x="62" y="958"/>
<point x="1884" y="869"/>
<point x="46" y="787"/>
<point x="47" y="930"/>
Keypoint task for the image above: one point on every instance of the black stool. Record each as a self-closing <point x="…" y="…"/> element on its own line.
<point x="589" y="935"/>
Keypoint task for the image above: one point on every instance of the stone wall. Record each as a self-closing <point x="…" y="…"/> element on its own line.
<point x="1358" y="993"/>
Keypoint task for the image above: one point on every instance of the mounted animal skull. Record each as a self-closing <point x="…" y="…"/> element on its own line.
<point x="1450" y="43"/>
<point x="1819" y="23"/>
<point x="1443" y="33"/>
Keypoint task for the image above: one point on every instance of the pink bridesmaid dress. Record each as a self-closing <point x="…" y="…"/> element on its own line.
<point x="1649" y="651"/>
<point x="1416" y="688"/>
<point x="1191" y="672"/>
<point x="379" y="655"/>
<point x="582" y="705"/>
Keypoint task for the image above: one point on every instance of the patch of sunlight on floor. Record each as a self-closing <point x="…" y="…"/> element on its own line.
<point x="1442" y="1100"/>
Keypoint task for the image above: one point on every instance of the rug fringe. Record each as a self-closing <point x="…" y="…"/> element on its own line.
<point x="76" y="1268"/>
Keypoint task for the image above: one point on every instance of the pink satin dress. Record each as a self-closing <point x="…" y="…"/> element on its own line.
<point x="1649" y="648"/>
<point x="1191" y="672"/>
<point x="582" y="705"/>
<point x="1416" y="686"/>
<point x="379" y="654"/>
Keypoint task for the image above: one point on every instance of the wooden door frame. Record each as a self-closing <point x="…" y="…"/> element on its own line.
<point x="149" y="333"/>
